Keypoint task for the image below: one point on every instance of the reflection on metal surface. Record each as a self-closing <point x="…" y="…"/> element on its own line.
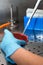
<point x="35" y="47"/>
<point x="2" y="59"/>
<point x="40" y="37"/>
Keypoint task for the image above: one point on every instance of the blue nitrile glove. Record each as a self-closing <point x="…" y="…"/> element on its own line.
<point x="10" y="44"/>
<point x="20" y="42"/>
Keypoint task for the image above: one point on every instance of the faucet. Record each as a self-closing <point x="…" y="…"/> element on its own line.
<point x="11" y="20"/>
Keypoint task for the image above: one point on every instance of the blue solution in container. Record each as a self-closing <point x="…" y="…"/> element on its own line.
<point x="38" y="29"/>
<point x="30" y="29"/>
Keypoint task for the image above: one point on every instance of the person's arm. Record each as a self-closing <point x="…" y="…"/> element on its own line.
<point x="24" y="57"/>
<point x="14" y="52"/>
<point x="10" y="45"/>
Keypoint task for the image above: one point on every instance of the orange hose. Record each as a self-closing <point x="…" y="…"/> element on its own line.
<point x="5" y="25"/>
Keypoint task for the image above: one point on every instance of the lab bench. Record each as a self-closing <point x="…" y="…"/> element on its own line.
<point x="34" y="47"/>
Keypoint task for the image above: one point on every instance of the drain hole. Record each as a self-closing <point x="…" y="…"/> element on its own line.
<point x="38" y="51"/>
<point x="38" y="46"/>
<point x="33" y="52"/>
<point x="39" y="37"/>
<point x="29" y="50"/>
<point x="34" y="48"/>
<point x="2" y="64"/>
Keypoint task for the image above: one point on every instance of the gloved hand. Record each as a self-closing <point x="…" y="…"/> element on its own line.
<point x="10" y="44"/>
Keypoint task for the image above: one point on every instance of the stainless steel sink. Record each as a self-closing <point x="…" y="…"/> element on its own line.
<point x="34" y="47"/>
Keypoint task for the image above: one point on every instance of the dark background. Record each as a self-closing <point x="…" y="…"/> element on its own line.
<point x="19" y="9"/>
